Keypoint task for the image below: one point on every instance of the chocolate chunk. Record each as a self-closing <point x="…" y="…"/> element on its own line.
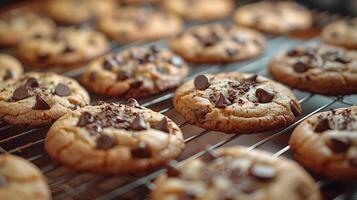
<point x="222" y="101"/>
<point x="68" y="49"/>
<point x="122" y="75"/>
<point x="43" y="57"/>
<point x="231" y="51"/>
<point x="32" y="83"/>
<point x="339" y="145"/>
<point x="9" y="74"/>
<point x="172" y="171"/>
<point x="154" y="49"/>
<point x="162" y="125"/>
<point x="200" y="114"/>
<point x="176" y="61"/>
<point x="139" y="124"/>
<point x="109" y="64"/>
<point x="62" y="90"/>
<point x="20" y="93"/>
<point x="3" y="181"/>
<point x="105" y="142"/>
<point x="84" y="119"/>
<point x="300" y="67"/>
<point x="293" y="53"/>
<point x="141" y="151"/>
<point x="342" y="59"/>
<point x="263" y="171"/>
<point x="322" y="125"/>
<point x="253" y="78"/>
<point x="294" y="108"/>
<point x="41" y="104"/>
<point x="136" y="83"/>
<point x="207" y="41"/>
<point x="94" y="129"/>
<point x="201" y="82"/>
<point x="132" y="102"/>
<point x="264" y="96"/>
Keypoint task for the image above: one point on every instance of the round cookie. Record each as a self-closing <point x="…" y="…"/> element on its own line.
<point x="37" y="99"/>
<point x="236" y="103"/>
<point x="341" y="33"/>
<point x="69" y="46"/>
<point x="236" y="173"/>
<point x="135" y="72"/>
<point x="114" y="139"/>
<point x="16" y="27"/>
<point x="216" y="43"/>
<point x="320" y="69"/>
<point x="200" y="10"/>
<point x="20" y="179"/>
<point x="10" y="68"/>
<point x="274" y="17"/>
<point x="128" y="2"/>
<point x="130" y="24"/>
<point x="79" y="11"/>
<point x="327" y="143"/>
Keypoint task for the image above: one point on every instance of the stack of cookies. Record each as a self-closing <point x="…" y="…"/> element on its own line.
<point x="112" y="138"/>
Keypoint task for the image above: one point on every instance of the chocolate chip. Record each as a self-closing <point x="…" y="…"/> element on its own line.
<point x="20" y="93"/>
<point x="263" y="171"/>
<point x="252" y="78"/>
<point x="222" y="101"/>
<point x="339" y="145"/>
<point x="9" y="74"/>
<point x="294" y="108"/>
<point x="136" y="83"/>
<point x="32" y="83"/>
<point x="201" y="82"/>
<point x="132" y="102"/>
<point x="342" y="59"/>
<point x="176" y="61"/>
<point x="68" y="49"/>
<point x="162" y="125"/>
<point x="154" y="49"/>
<point x="207" y="41"/>
<point x="322" y="125"/>
<point x="122" y="75"/>
<point x="264" y="96"/>
<point x="200" y="114"/>
<point x="108" y="64"/>
<point x="141" y="151"/>
<point x="293" y="53"/>
<point x="231" y="51"/>
<point x="62" y="90"/>
<point x="172" y="171"/>
<point x="43" y="57"/>
<point x="105" y="142"/>
<point x="300" y="67"/>
<point x="139" y="124"/>
<point x="3" y="181"/>
<point x="84" y="119"/>
<point x="94" y="129"/>
<point x="41" y="104"/>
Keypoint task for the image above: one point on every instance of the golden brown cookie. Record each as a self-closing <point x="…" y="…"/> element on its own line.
<point x="341" y="33"/>
<point x="114" y="139"/>
<point x="10" y="68"/>
<point x="237" y="173"/>
<point x="235" y="102"/>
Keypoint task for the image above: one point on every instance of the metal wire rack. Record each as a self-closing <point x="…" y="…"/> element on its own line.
<point x="68" y="184"/>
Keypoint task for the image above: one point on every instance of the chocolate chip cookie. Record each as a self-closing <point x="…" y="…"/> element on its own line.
<point x="68" y="46"/>
<point x="236" y="103"/>
<point x="38" y="99"/>
<point x="327" y="143"/>
<point x="135" y="72"/>
<point x="216" y="43"/>
<point x="20" y="179"/>
<point x="130" y="24"/>
<point x="114" y="139"/>
<point x="236" y="173"/>
<point x="274" y="17"/>
<point x="10" y="68"/>
<point x="78" y="11"/>
<point x="128" y="2"/>
<point x="200" y="10"/>
<point x="16" y="27"/>
<point x="320" y="69"/>
<point x="341" y="33"/>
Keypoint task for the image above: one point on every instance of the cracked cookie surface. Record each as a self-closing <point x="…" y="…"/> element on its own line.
<point x="21" y="180"/>
<point x="10" y="68"/>
<point x="37" y="99"/>
<point x="68" y="46"/>
<point x="320" y="69"/>
<point x="274" y="17"/>
<point x="130" y="24"/>
<point x="16" y="27"/>
<point x="200" y="10"/>
<point x="235" y="102"/>
<point x="341" y="33"/>
<point x="217" y="43"/>
<point x="135" y="72"/>
<point x="236" y="173"/>
<point x="114" y="139"/>
<point x="78" y="11"/>
<point x="327" y="143"/>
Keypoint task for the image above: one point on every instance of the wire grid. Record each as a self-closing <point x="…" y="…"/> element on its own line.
<point x="68" y="184"/>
